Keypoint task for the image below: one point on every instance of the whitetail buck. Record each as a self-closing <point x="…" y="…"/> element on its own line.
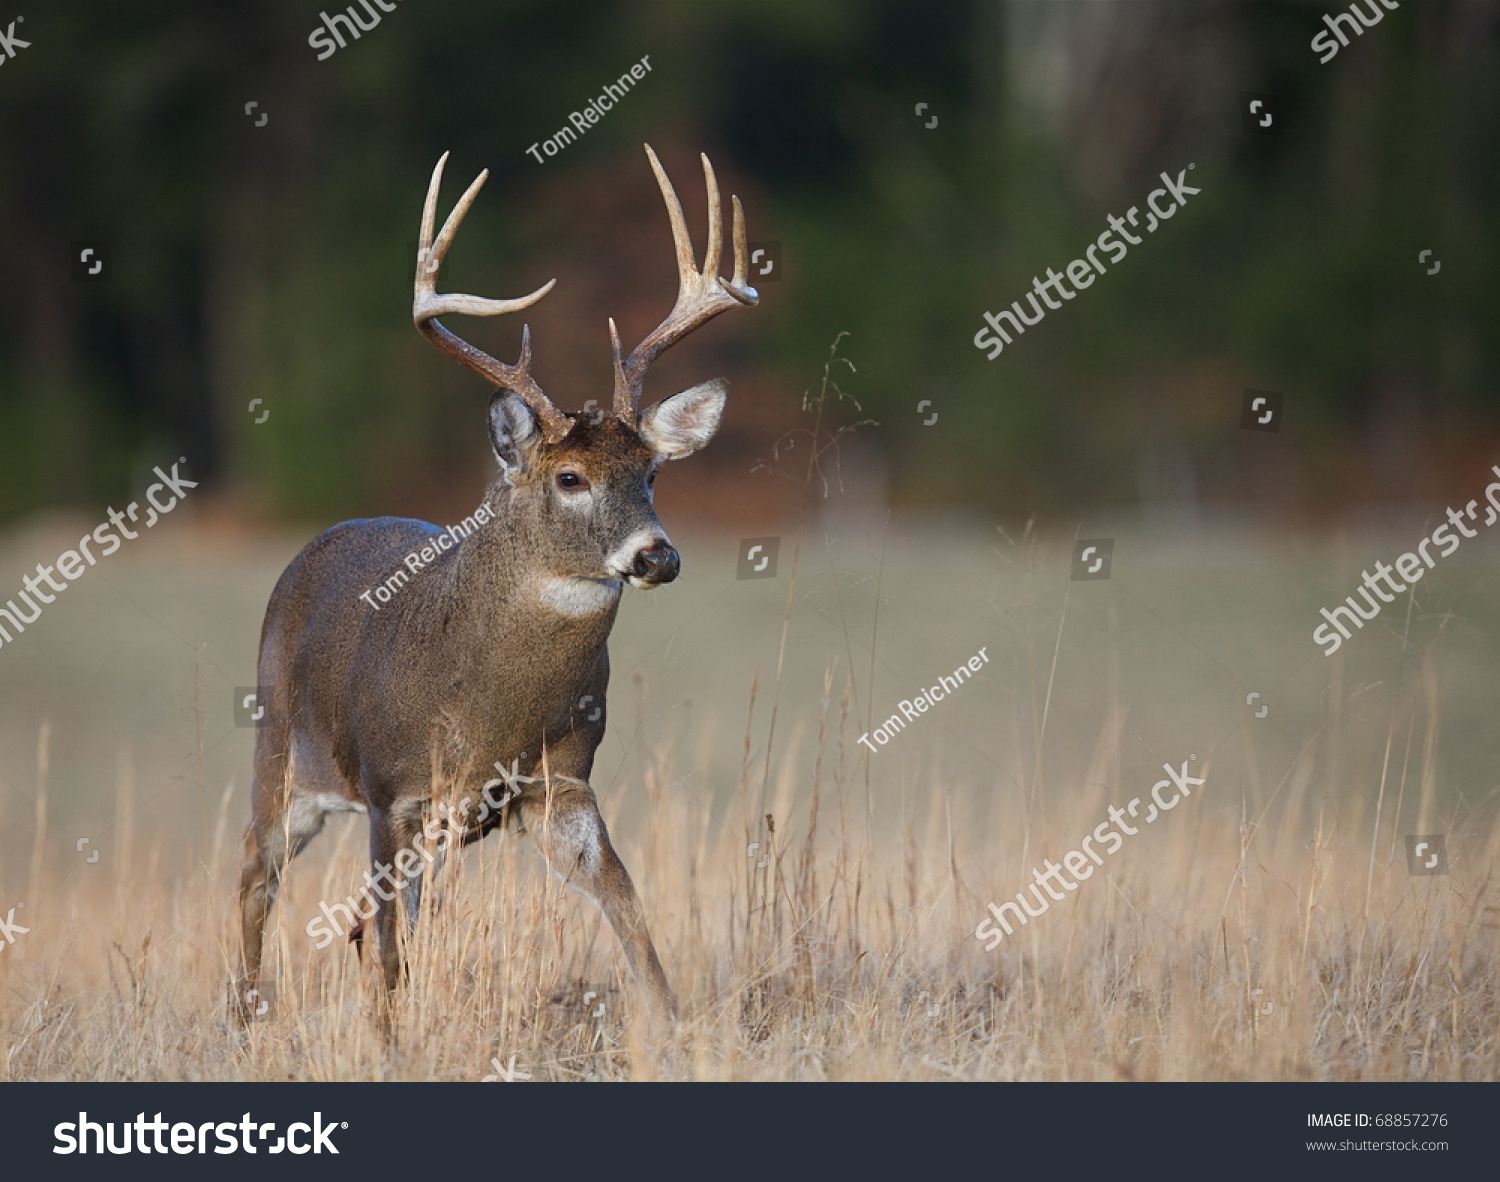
<point x="495" y="652"/>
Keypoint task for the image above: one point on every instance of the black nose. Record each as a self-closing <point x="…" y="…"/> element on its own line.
<point x="656" y="564"/>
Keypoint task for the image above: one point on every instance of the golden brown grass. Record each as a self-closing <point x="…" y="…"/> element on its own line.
<point x="1267" y="928"/>
<point x="1232" y="940"/>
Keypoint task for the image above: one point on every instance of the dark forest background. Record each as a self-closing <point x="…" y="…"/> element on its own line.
<point x="274" y="262"/>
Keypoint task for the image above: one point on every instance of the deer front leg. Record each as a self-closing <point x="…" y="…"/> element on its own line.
<point x="391" y="831"/>
<point x="569" y="831"/>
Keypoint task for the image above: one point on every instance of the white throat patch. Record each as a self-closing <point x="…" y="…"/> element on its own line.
<point x="579" y="597"/>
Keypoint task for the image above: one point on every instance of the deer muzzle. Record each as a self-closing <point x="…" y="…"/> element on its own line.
<point x="655" y="565"/>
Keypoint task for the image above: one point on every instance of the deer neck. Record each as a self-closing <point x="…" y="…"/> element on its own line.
<point x="505" y="566"/>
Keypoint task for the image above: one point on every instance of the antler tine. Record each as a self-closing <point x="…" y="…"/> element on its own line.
<point x="428" y="305"/>
<point x="429" y="206"/>
<point x="622" y="405"/>
<point x="438" y="251"/>
<point x="715" y="220"/>
<point x="740" y="263"/>
<point x="681" y="239"/>
<point x="701" y="295"/>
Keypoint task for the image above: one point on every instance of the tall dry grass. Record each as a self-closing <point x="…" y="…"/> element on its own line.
<point x="814" y="904"/>
<point x="818" y="919"/>
<point x="1223" y="943"/>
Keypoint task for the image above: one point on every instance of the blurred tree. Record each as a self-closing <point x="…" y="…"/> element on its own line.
<point x="273" y="261"/>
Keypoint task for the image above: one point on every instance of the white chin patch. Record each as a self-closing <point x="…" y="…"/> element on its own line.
<point x="580" y="597"/>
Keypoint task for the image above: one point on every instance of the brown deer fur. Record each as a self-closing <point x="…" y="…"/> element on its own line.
<point x="493" y="653"/>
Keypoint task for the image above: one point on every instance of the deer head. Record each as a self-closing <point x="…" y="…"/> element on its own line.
<point x="583" y="483"/>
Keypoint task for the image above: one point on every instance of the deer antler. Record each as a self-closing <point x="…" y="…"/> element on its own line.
<point x="701" y="295"/>
<point x="428" y="305"/>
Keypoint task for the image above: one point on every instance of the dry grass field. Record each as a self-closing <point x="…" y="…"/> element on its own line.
<point x="1267" y="928"/>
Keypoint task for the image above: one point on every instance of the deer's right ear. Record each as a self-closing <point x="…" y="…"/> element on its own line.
<point x="513" y="429"/>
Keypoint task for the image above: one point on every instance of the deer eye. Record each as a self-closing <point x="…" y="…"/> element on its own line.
<point x="652" y="478"/>
<point x="571" y="481"/>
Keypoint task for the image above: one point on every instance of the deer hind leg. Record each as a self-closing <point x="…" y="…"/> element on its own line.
<point x="275" y="836"/>
<point x="570" y="833"/>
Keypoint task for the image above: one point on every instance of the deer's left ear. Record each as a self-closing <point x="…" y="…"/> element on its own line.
<point x="678" y="426"/>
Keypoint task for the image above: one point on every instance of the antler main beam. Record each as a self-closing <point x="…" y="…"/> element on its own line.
<point x="428" y="305"/>
<point x="701" y="295"/>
